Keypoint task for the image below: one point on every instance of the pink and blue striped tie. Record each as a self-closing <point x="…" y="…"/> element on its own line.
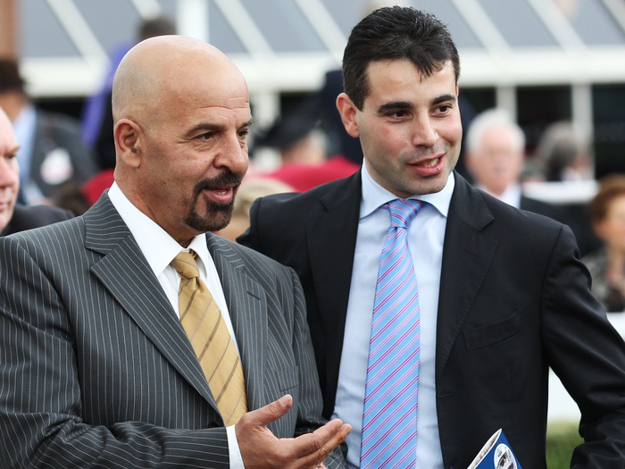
<point x="389" y="433"/>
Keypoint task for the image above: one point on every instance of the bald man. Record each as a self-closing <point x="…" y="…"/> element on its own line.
<point x="97" y="369"/>
<point x="14" y="217"/>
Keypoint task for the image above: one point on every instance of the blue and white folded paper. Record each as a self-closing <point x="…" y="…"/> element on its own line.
<point x="496" y="454"/>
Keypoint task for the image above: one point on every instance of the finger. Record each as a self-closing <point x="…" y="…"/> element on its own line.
<point x="271" y="412"/>
<point x="317" y="446"/>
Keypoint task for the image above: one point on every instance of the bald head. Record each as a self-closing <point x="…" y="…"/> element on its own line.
<point x="155" y="72"/>
<point x="182" y="115"/>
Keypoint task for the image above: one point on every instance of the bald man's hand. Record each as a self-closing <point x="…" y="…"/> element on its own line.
<point x="260" y="449"/>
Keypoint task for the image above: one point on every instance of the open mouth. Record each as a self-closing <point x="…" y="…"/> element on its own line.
<point x="429" y="163"/>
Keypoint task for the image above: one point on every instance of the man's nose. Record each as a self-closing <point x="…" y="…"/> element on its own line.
<point x="233" y="155"/>
<point x="424" y="134"/>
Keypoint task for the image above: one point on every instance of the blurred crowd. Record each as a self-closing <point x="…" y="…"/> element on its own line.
<point x="67" y="163"/>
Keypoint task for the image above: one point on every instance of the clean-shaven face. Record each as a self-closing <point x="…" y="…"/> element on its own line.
<point x="409" y="126"/>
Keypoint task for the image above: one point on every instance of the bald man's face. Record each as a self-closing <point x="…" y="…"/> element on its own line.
<point x="194" y="151"/>
<point x="498" y="161"/>
<point x="9" y="171"/>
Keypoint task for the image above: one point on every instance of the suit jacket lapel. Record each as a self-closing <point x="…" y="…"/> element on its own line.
<point x="125" y="273"/>
<point x="467" y="255"/>
<point x="332" y="262"/>
<point x="247" y="306"/>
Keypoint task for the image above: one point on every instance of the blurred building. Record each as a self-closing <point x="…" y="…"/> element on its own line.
<point x="543" y="60"/>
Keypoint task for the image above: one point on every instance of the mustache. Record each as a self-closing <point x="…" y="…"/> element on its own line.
<point x="226" y="178"/>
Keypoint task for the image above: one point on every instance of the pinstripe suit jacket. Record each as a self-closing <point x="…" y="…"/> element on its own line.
<point x="96" y="370"/>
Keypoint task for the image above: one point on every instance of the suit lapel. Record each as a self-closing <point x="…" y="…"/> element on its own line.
<point x="125" y="273"/>
<point x="332" y="262"/>
<point x="467" y="255"/>
<point x="247" y="306"/>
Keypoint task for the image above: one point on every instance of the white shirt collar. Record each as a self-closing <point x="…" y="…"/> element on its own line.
<point x="511" y="196"/>
<point x="158" y="247"/>
<point x="374" y="195"/>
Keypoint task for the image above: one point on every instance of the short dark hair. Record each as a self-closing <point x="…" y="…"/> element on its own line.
<point x="393" y="33"/>
<point x="10" y="78"/>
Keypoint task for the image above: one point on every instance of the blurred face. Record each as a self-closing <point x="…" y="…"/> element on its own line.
<point x="193" y="152"/>
<point x="498" y="161"/>
<point x="409" y="126"/>
<point x="612" y="228"/>
<point x="9" y="171"/>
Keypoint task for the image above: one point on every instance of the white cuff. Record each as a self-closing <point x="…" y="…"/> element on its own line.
<point x="236" y="461"/>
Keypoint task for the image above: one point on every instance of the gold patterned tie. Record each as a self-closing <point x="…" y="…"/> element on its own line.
<point x="211" y="340"/>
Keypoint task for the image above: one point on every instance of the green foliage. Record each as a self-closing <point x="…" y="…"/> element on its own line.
<point x="562" y="438"/>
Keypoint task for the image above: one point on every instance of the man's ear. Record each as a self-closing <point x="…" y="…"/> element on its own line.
<point x="349" y="113"/>
<point x="127" y="134"/>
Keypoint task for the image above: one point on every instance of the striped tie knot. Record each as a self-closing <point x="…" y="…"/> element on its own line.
<point x="185" y="264"/>
<point x="403" y="211"/>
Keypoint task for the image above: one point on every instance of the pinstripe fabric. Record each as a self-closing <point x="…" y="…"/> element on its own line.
<point x="96" y="370"/>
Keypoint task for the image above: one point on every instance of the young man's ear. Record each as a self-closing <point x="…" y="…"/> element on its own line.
<point x="349" y="113"/>
<point x="126" y="136"/>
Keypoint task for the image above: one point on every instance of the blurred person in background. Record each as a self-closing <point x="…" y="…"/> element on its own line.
<point x="52" y="155"/>
<point x="97" y="120"/>
<point x="564" y="153"/>
<point x="15" y="217"/>
<point x="607" y="264"/>
<point x="250" y="189"/>
<point x="495" y="158"/>
<point x="304" y="161"/>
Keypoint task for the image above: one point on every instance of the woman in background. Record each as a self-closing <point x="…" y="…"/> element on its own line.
<point x="607" y="264"/>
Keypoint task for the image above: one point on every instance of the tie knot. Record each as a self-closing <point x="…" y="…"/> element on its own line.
<point x="403" y="211"/>
<point x="185" y="264"/>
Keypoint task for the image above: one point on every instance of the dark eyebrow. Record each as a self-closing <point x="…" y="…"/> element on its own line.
<point x="394" y="106"/>
<point x="444" y="98"/>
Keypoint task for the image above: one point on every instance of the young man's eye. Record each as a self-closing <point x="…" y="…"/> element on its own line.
<point x="398" y="114"/>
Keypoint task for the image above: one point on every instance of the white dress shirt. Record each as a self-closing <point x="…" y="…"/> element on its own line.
<point x="426" y="234"/>
<point x="159" y="249"/>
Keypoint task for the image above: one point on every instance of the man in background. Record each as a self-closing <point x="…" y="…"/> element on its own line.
<point x="147" y="341"/>
<point x="52" y="157"/>
<point x="495" y="158"/>
<point x="15" y="217"/>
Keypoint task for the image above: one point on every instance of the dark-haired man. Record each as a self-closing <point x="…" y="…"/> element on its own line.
<point x="414" y="278"/>
<point x="13" y="216"/>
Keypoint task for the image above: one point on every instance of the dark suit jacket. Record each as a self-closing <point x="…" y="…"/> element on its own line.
<point x="514" y="301"/>
<point x="34" y="216"/>
<point x="96" y="369"/>
<point x="576" y="216"/>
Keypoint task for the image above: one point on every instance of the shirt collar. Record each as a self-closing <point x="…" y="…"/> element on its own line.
<point x="374" y="195"/>
<point x="158" y="247"/>
<point x="511" y="196"/>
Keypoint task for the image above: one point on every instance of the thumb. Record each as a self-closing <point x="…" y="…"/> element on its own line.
<point x="271" y="412"/>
